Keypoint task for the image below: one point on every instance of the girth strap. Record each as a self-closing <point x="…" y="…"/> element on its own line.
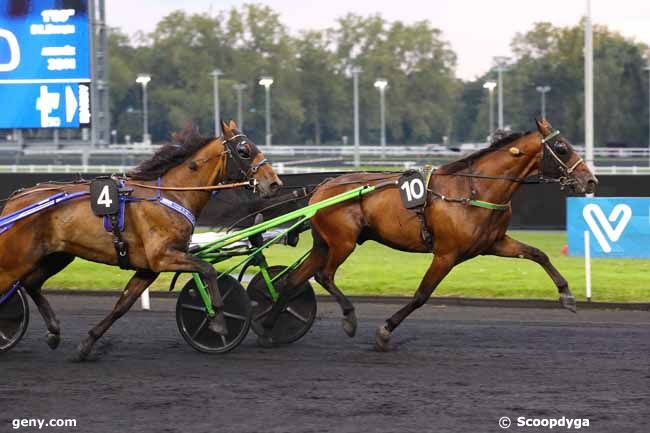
<point x="472" y="202"/>
<point x="121" y="248"/>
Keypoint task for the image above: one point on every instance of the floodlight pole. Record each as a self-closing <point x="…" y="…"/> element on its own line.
<point x="543" y="90"/>
<point x="589" y="90"/>
<point x="500" y="62"/>
<point x="647" y="68"/>
<point x="217" y="115"/>
<point x="266" y="82"/>
<point x="239" y="88"/>
<point x="144" y="79"/>
<point x="490" y="85"/>
<point x="355" y="79"/>
<point x="382" y="84"/>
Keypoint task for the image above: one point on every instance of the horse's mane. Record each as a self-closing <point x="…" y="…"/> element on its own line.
<point x="499" y="141"/>
<point x="183" y="145"/>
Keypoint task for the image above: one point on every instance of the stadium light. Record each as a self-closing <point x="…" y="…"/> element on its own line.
<point x="144" y="79"/>
<point x="217" y="115"/>
<point x="266" y="81"/>
<point x="382" y="84"/>
<point x="490" y="85"/>
<point x="501" y="63"/>
<point x="543" y="90"/>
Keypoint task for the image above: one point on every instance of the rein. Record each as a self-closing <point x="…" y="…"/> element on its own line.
<point x="251" y="183"/>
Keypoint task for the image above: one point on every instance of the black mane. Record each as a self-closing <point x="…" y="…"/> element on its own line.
<point x="465" y="162"/>
<point x="183" y="145"/>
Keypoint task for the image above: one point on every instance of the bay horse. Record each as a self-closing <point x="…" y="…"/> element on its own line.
<point x="467" y="213"/>
<point x="183" y="173"/>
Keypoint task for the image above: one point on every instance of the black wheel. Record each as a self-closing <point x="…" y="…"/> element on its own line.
<point x="192" y="318"/>
<point x="14" y="319"/>
<point x="295" y="320"/>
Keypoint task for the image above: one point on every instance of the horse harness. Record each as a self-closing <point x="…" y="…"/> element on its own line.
<point x="109" y="194"/>
<point x="554" y="169"/>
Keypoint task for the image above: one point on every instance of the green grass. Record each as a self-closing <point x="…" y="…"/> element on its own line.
<point x="377" y="270"/>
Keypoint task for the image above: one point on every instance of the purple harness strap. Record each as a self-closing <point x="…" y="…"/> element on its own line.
<point x="158" y="197"/>
<point x="10" y="292"/>
<point x="9" y="220"/>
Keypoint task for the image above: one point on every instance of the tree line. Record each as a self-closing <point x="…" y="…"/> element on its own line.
<point x="311" y="96"/>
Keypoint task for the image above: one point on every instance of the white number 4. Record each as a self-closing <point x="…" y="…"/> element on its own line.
<point x="414" y="189"/>
<point x="104" y="197"/>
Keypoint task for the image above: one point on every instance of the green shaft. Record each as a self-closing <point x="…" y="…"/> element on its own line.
<point x="305" y="212"/>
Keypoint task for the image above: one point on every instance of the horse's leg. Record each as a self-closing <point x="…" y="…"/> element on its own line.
<point x="438" y="270"/>
<point x="337" y="254"/>
<point x="179" y="261"/>
<point x="508" y="247"/>
<point x="314" y="261"/>
<point x="134" y="288"/>
<point x="47" y="267"/>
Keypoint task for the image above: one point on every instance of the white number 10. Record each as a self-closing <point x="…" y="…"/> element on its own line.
<point x="104" y="197"/>
<point x="414" y="189"/>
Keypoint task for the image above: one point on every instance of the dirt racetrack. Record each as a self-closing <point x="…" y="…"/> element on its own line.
<point x="453" y="369"/>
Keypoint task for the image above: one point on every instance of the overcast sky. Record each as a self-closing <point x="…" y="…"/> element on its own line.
<point x="476" y="29"/>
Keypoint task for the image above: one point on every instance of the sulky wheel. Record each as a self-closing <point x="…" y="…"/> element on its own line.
<point x="294" y="321"/>
<point x="192" y="318"/>
<point x="14" y="319"/>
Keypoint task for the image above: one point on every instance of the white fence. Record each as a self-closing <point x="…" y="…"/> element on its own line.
<point x="280" y="168"/>
<point x="336" y="151"/>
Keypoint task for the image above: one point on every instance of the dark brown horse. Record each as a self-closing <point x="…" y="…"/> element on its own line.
<point x="157" y="236"/>
<point x="467" y="214"/>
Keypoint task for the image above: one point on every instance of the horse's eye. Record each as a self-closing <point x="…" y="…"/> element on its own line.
<point x="561" y="149"/>
<point x="244" y="151"/>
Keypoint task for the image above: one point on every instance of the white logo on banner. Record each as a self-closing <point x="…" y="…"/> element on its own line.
<point x="593" y="212"/>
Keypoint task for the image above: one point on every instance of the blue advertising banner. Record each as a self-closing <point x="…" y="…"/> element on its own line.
<point x="43" y="43"/>
<point x="617" y="226"/>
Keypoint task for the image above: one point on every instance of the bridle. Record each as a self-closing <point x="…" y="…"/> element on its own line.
<point x="561" y="168"/>
<point x="242" y="152"/>
<point x="558" y="172"/>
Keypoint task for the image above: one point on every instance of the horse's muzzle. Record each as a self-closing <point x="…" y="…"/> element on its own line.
<point x="591" y="186"/>
<point x="269" y="189"/>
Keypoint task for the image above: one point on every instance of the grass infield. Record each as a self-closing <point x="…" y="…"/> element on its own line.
<point x="377" y="270"/>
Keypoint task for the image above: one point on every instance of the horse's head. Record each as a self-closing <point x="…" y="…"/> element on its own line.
<point x="247" y="162"/>
<point x="559" y="161"/>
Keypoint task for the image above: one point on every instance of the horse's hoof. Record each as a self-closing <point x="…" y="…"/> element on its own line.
<point x="266" y="342"/>
<point x="218" y="325"/>
<point x="83" y="351"/>
<point x="350" y="324"/>
<point x="568" y="302"/>
<point x="53" y="340"/>
<point x="382" y="338"/>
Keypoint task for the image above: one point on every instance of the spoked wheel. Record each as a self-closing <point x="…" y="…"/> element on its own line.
<point x="192" y="318"/>
<point x="14" y="319"/>
<point x="294" y="321"/>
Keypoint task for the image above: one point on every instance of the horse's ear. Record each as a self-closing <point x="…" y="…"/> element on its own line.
<point x="543" y="126"/>
<point x="233" y="126"/>
<point x="227" y="131"/>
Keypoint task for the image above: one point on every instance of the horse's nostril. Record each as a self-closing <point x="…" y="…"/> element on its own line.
<point x="274" y="186"/>
<point x="591" y="186"/>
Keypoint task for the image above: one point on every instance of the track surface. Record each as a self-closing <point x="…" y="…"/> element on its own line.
<point x="453" y="369"/>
